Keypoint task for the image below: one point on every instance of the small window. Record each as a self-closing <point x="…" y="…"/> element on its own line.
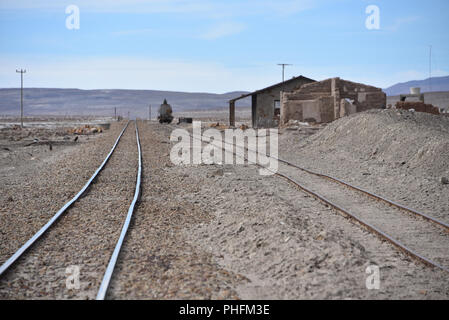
<point x="277" y="107"/>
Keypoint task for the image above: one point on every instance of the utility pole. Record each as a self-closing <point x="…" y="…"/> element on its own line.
<point x="149" y="110"/>
<point x="115" y="113"/>
<point x="283" y="79"/>
<point x="283" y="69"/>
<point x="21" y="71"/>
<point x="128" y="115"/>
<point x="430" y="69"/>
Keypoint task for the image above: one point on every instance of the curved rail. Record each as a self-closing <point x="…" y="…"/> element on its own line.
<point x="38" y="234"/>
<point x="110" y="269"/>
<point x="366" y="224"/>
<point x="371" y="194"/>
<point x="370" y="227"/>
<point x="368" y="193"/>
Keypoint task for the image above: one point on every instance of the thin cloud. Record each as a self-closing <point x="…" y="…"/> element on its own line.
<point x="133" y="32"/>
<point x="400" y="22"/>
<point x="223" y="30"/>
<point x="122" y="6"/>
<point x="129" y="72"/>
<point x="209" y="8"/>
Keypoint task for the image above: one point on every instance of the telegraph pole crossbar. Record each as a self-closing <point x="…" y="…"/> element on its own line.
<point x="283" y="69"/>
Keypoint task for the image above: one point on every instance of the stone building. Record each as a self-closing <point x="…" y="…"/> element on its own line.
<point x="328" y="100"/>
<point x="265" y="103"/>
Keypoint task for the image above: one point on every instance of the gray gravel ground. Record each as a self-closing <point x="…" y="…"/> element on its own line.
<point x="85" y="236"/>
<point x="276" y="242"/>
<point x="291" y="246"/>
<point x="34" y="187"/>
<point x="397" y="154"/>
<point x="156" y="261"/>
<point x="225" y="232"/>
<point x="426" y="239"/>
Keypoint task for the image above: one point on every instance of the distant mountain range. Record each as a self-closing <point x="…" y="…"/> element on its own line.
<point x="40" y="101"/>
<point x="437" y="83"/>
<point x="43" y="101"/>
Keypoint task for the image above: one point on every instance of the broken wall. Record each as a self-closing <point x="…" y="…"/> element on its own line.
<point x="265" y="103"/>
<point x="316" y="110"/>
<point x="328" y="100"/>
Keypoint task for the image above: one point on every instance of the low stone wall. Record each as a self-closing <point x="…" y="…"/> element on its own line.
<point x="417" y="106"/>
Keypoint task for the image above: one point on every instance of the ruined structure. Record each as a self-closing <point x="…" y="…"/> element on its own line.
<point x="328" y="100"/>
<point x="414" y="93"/>
<point x="265" y="103"/>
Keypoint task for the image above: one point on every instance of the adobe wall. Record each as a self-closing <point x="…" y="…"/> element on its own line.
<point x="316" y="110"/>
<point x="265" y="103"/>
<point x="311" y="91"/>
<point x="329" y="100"/>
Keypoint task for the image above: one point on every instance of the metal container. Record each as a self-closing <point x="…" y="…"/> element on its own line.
<point x="165" y="113"/>
<point x="415" y="91"/>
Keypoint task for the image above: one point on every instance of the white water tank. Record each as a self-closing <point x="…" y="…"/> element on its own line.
<point x="415" y="91"/>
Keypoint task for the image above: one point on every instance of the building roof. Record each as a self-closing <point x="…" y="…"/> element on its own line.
<point x="271" y="87"/>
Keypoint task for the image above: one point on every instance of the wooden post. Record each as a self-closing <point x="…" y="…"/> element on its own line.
<point x="232" y="113"/>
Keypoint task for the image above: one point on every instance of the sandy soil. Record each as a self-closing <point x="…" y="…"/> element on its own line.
<point x="226" y="232"/>
<point x="400" y="155"/>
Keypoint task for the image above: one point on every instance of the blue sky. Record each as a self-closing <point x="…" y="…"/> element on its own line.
<point x="219" y="46"/>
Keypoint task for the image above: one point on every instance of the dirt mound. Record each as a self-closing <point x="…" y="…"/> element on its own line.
<point x="418" y="140"/>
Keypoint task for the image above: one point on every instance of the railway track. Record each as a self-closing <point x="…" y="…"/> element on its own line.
<point x="427" y="243"/>
<point x="50" y="229"/>
<point x="110" y="269"/>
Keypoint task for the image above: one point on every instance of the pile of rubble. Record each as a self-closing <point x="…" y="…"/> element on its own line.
<point x="218" y="126"/>
<point x="418" y="107"/>
<point x="394" y="138"/>
<point x="86" y="129"/>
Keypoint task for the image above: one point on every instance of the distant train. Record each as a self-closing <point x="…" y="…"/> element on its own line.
<point x="165" y="113"/>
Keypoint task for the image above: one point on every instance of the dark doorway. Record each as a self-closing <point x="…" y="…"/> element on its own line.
<point x="254" y="110"/>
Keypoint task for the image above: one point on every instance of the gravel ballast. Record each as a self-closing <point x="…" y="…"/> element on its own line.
<point x="35" y="187"/>
<point x="156" y="261"/>
<point x="84" y="237"/>
<point x="226" y="232"/>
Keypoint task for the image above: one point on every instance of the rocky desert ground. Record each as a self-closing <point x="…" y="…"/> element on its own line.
<point x="220" y="231"/>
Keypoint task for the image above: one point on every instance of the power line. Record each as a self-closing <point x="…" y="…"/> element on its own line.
<point x="21" y="71"/>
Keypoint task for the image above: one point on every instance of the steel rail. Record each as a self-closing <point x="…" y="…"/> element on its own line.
<point x="112" y="262"/>
<point x="367" y="225"/>
<point x="38" y="234"/>
<point x="371" y="194"/>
